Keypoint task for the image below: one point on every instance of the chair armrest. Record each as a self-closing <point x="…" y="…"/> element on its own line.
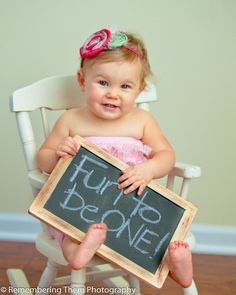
<point x="37" y="178"/>
<point x="50" y="248"/>
<point x="185" y="170"/>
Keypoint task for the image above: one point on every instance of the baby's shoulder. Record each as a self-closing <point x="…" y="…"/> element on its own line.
<point x="71" y="113"/>
<point x="69" y="117"/>
<point x="141" y="114"/>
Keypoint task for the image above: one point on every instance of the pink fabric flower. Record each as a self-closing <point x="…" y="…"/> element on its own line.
<point x="95" y="43"/>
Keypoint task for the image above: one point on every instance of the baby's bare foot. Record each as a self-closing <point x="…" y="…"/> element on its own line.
<point x="180" y="263"/>
<point x="93" y="239"/>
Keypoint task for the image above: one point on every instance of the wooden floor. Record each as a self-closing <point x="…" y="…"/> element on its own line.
<point x="214" y="274"/>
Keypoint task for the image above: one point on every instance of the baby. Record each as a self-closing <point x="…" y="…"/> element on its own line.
<point x="114" y="69"/>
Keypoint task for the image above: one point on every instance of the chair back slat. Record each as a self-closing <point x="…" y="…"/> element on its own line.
<point x="27" y="139"/>
<point x="54" y="93"/>
<point x="45" y="123"/>
<point x="143" y="106"/>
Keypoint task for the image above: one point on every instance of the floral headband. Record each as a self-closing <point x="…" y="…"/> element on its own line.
<point x="105" y="40"/>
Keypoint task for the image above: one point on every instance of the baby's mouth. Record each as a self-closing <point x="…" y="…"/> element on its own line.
<point x="110" y="106"/>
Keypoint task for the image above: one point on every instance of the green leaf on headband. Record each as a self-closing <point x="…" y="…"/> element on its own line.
<point x="117" y="40"/>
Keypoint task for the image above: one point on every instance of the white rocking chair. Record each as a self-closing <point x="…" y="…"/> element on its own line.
<point x="61" y="93"/>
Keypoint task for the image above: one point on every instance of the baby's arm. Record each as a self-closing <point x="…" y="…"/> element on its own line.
<point x="161" y="161"/>
<point x="57" y="144"/>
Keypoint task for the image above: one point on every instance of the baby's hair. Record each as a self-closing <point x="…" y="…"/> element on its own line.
<point x="134" y="52"/>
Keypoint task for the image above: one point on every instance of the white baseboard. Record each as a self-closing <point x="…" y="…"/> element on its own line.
<point x="18" y="227"/>
<point x="211" y="239"/>
<point x="214" y="239"/>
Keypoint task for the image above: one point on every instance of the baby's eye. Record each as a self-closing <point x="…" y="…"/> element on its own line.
<point x="103" y="83"/>
<point x="125" y="86"/>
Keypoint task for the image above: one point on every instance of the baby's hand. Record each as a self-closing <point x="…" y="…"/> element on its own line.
<point x="67" y="148"/>
<point x="137" y="176"/>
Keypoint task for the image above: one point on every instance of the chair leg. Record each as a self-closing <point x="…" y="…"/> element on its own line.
<point x="78" y="280"/>
<point x="134" y="284"/>
<point x="191" y="290"/>
<point x="48" y="276"/>
<point x="112" y="282"/>
<point x="18" y="281"/>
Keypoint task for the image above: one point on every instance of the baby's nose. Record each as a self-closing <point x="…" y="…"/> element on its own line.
<point x="112" y="94"/>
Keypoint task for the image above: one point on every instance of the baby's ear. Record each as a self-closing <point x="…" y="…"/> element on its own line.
<point x="142" y="86"/>
<point x="80" y="79"/>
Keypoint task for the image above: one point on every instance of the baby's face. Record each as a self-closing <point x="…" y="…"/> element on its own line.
<point x="111" y="88"/>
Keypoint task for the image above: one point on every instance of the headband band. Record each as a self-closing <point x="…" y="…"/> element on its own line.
<point x="105" y="40"/>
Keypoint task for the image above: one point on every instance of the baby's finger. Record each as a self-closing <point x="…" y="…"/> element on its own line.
<point x="126" y="174"/>
<point x="71" y="143"/>
<point x="132" y="188"/>
<point x="127" y="182"/>
<point x="62" y="154"/>
<point x="66" y="149"/>
<point x="74" y="143"/>
<point x="141" y="189"/>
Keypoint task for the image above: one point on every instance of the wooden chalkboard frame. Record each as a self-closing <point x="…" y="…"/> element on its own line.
<point x="37" y="209"/>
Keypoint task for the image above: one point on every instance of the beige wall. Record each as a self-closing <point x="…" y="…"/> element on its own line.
<point x="192" y="49"/>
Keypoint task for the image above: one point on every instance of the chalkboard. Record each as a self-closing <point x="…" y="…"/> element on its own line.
<point x="84" y="190"/>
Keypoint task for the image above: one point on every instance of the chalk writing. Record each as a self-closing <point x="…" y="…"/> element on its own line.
<point x="137" y="227"/>
<point x="87" y="211"/>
